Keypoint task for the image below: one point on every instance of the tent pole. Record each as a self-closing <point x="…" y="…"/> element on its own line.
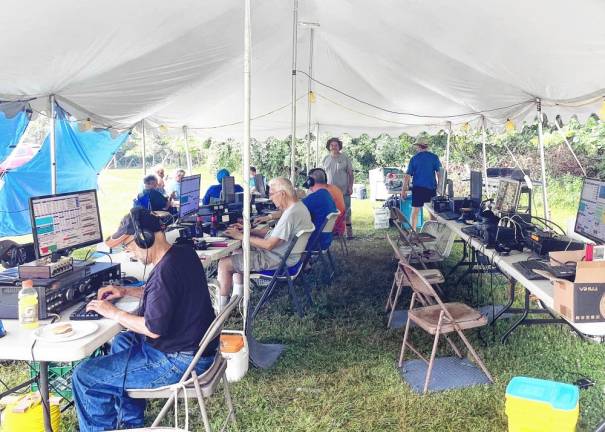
<point x="316" y="144"/>
<point x="447" y="147"/>
<point x="187" y="154"/>
<point x="570" y="149"/>
<point x="144" y="148"/>
<point x="483" y="148"/>
<point x="246" y="161"/>
<point x="293" y="135"/>
<point x="53" y="149"/>
<point x="542" y="160"/>
<point x="308" y="161"/>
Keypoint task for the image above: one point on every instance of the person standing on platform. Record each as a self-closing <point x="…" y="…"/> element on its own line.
<point x="339" y="168"/>
<point x="423" y="170"/>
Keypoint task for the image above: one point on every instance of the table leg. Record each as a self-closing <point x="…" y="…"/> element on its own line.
<point x="520" y="320"/>
<point x="462" y="260"/>
<point x="43" y="388"/>
<point x="511" y="298"/>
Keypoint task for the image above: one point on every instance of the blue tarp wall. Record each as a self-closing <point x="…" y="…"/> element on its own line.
<point x="80" y="156"/>
<point x="14" y="118"/>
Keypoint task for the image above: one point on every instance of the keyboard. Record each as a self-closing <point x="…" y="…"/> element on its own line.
<point x="472" y="231"/>
<point x="450" y="215"/>
<point x="81" y="314"/>
<point x="526" y="269"/>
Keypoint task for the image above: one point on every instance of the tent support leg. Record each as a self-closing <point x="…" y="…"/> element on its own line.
<point x="483" y="148"/>
<point x="447" y="147"/>
<point x="144" y="148"/>
<point x="542" y="160"/>
<point x="293" y="135"/>
<point x="53" y="148"/>
<point x="246" y="159"/>
<point x="187" y="154"/>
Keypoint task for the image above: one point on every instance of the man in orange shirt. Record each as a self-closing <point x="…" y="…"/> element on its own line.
<point x="321" y="182"/>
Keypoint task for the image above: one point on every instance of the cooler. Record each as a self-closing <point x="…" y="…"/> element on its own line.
<point x="406" y="208"/>
<point x="536" y="405"/>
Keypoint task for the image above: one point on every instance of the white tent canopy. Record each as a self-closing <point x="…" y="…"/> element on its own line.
<point x="180" y="63"/>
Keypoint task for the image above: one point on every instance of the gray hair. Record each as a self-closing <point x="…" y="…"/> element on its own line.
<point x="283" y="184"/>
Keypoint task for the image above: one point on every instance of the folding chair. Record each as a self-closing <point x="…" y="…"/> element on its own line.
<point x="265" y="355"/>
<point x="438" y="318"/>
<point x="192" y="385"/>
<point x="316" y="250"/>
<point x="420" y="245"/>
<point x="342" y="241"/>
<point x="400" y="281"/>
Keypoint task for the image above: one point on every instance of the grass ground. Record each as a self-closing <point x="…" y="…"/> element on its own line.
<point x="338" y="371"/>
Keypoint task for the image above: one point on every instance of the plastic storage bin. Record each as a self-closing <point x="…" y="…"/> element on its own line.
<point x="406" y="208"/>
<point x="234" y="348"/>
<point x="536" y="405"/>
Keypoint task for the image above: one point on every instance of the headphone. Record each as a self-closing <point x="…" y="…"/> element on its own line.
<point x="143" y="238"/>
<point x="310" y="181"/>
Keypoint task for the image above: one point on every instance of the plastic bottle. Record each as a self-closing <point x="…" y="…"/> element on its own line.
<point x="213" y="226"/>
<point x="28" y="305"/>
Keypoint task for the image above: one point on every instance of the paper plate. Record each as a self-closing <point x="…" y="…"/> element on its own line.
<point x="214" y="239"/>
<point x="80" y="329"/>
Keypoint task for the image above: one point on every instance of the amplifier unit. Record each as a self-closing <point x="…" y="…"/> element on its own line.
<point x="543" y="242"/>
<point x="61" y="292"/>
<point x="45" y="269"/>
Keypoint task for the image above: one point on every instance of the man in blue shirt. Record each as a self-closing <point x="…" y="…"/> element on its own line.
<point x="424" y="170"/>
<point x="214" y="191"/>
<point x="151" y="198"/>
<point x="320" y="204"/>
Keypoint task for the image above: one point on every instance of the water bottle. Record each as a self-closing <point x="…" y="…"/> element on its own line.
<point x="213" y="224"/>
<point x="28" y="305"/>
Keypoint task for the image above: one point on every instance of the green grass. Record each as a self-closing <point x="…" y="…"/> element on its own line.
<point x="338" y="371"/>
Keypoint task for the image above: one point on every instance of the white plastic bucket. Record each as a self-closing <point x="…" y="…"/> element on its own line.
<point x="237" y="362"/>
<point x="381" y="218"/>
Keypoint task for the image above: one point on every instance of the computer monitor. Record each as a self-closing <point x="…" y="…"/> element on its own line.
<point x="228" y="191"/>
<point x="507" y="197"/>
<point x="66" y="221"/>
<point x="590" y="220"/>
<point x="441" y="185"/>
<point x="189" y="193"/>
<point x="476" y="186"/>
<point x="259" y="184"/>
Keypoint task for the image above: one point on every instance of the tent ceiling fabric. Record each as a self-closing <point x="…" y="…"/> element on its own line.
<point x="181" y="63"/>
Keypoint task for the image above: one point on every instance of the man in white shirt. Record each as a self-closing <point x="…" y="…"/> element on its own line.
<point x="339" y="168"/>
<point x="267" y="246"/>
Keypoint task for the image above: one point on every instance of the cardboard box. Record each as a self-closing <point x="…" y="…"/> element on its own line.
<point x="583" y="300"/>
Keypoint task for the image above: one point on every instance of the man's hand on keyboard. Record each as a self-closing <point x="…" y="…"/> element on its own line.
<point x="104" y="308"/>
<point x="111" y="292"/>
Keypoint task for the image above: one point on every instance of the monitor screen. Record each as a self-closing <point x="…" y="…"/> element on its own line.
<point x="590" y="220"/>
<point x="259" y="184"/>
<point x="189" y="193"/>
<point x="65" y="221"/>
<point x="228" y="191"/>
<point x="476" y="185"/>
<point x="507" y="196"/>
<point x="442" y="182"/>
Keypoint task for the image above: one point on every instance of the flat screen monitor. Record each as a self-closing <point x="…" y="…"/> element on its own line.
<point x="476" y="186"/>
<point x="507" y="197"/>
<point x="189" y="195"/>
<point x="228" y="190"/>
<point x="590" y="220"/>
<point x="66" y="221"/>
<point x="259" y="184"/>
<point x="441" y="185"/>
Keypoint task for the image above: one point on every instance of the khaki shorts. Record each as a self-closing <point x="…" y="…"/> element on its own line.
<point x="258" y="261"/>
<point x="347" y="199"/>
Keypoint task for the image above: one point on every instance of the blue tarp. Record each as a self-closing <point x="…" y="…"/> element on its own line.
<point x="80" y="155"/>
<point x="14" y="118"/>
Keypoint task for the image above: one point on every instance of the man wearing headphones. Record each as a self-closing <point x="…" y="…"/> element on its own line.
<point x="163" y="336"/>
<point x="339" y="168"/>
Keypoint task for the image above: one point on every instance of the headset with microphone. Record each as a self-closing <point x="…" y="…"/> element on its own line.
<point x="143" y="238"/>
<point x="310" y="181"/>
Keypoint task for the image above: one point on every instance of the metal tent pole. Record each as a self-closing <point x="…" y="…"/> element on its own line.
<point x="483" y="148"/>
<point x="570" y="148"/>
<point x="246" y="161"/>
<point x="187" y="154"/>
<point x="447" y="147"/>
<point x="309" y="101"/>
<point x="542" y="160"/>
<point x="144" y="148"/>
<point x="316" y="144"/>
<point x="294" y="46"/>
<point x="53" y="148"/>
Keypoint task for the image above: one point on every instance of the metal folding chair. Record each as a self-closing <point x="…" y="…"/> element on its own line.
<point x="265" y="355"/>
<point x="400" y="281"/>
<point x="438" y="318"/>
<point x="192" y="385"/>
<point x="420" y="245"/>
<point x="316" y="251"/>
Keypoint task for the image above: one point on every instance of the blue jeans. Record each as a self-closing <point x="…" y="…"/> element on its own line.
<point x="97" y="382"/>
